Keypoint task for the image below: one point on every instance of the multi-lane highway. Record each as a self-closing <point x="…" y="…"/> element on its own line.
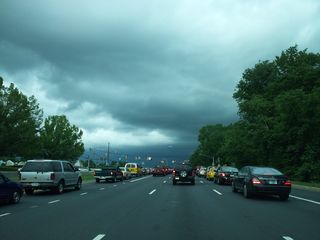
<point x="152" y="208"/>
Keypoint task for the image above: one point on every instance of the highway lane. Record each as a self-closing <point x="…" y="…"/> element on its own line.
<point x="153" y="208"/>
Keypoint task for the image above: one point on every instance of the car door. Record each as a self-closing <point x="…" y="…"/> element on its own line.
<point x="70" y="174"/>
<point x="4" y="188"/>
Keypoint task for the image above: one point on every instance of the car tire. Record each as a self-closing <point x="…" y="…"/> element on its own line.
<point x="121" y="179"/>
<point x="16" y="196"/>
<point x="284" y="197"/>
<point x="192" y="182"/>
<point x="219" y="181"/>
<point x="174" y="182"/>
<point x="97" y="180"/>
<point x="29" y="191"/>
<point x="79" y="184"/>
<point x="234" y="189"/>
<point x="60" y="188"/>
<point x="246" y="192"/>
<point x="114" y="179"/>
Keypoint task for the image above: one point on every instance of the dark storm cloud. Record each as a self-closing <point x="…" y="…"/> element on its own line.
<point x="159" y="68"/>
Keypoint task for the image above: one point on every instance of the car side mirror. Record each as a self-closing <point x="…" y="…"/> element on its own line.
<point x="76" y="169"/>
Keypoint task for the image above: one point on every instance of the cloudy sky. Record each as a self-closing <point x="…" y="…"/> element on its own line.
<point x="145" y="75"/>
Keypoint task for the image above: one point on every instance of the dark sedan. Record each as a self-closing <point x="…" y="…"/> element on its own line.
<point x="261" y="180"/>
<point x="9" y="191"/>
<point x="225" y="174"/>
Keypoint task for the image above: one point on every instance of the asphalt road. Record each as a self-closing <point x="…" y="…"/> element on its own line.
<point x="152" y="208"/>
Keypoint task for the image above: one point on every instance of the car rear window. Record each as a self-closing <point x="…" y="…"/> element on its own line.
<point x="38" y="167"/>
<point x="266" y="171"/>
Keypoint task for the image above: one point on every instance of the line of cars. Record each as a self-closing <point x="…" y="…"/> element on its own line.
<point x="252" y="180"/>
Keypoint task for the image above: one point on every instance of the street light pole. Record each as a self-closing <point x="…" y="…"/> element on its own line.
<point x="108" y="154"/>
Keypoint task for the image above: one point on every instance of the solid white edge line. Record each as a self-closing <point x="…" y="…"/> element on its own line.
<point x="304" y="199"/>
<point x="135" y="180"/>
<point x="85" y="193"/>
<point x="99" y="237"/>
<point x="55" y="201"/>
<point x="287" y="238"/>
<point x="5" y="214"/>
<point x="152" y="191"/>
<point x="217" y="192"/>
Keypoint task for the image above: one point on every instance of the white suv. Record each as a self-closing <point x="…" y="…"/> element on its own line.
<point x="49" y="174"/>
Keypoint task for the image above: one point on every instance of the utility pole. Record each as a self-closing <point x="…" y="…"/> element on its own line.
<point x="108" y="154"/>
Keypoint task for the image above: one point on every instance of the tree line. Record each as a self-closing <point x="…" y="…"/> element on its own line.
<point x="24" y="133"/>
<point x="279" y="119"/>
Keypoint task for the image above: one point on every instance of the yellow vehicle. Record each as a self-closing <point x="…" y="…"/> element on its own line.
<point x="134" y="169"/>
<point x="210" y="173"/>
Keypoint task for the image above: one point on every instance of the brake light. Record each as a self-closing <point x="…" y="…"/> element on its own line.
<point x="52" y="176"/>
<point x="173" y="172"/>
<point x="94" y="173"/>
<point x="287" y="183"/>
<point x="222" y="174"/>
<point x="255" y="181"/>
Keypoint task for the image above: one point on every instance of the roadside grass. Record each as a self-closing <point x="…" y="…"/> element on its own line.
<point x="307" y="184"/>
<point x="87" y="176"/>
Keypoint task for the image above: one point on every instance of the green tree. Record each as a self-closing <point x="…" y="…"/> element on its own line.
<point x="20" y="121"/>
<point x="60" y="139"/>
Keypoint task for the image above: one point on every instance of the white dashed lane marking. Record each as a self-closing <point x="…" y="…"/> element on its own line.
<point x="85" y="193"/>
<point x="4" y="214"/>
<point x="150" y="193"/>
<point x="217" y="192"/>
<point x="55" y="201"/>
<point x="99" y="237"/>
<point x="201" y="182"/>
<point x="164" y="181"/>
<point x="139" y="179"/>
<point x="101" y="189"/>
<point x="304" y="199"/>
<point x="287" y="238"/>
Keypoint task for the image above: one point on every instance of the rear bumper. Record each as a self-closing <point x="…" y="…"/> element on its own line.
<point x="183" y="179"/>
<point x="272" y="190"/>
<point x="45" y="185"/>
<point x="104" y="177"/>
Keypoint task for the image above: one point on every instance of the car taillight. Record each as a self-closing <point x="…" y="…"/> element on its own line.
<point x="94" y="173"/>
<point x="111" y="173"/>
<point x="255" y="181"/>
<point x="52" y="176"/>
<point x="222" y="174"/>
<point x="173" y="172"/>
<point x="287" y="183"/>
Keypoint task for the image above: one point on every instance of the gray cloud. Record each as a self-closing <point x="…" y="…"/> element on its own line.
<point x="159" y="68"/>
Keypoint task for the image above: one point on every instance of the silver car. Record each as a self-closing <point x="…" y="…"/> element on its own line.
<point x="55" y="175"/>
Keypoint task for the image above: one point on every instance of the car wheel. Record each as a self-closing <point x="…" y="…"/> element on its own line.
<point x="79" y="184"/>
<point x="15" y="198"/>
<point x="234" y="188"/>
<point x="114" y="179"/>
<point x="174" y="182"/>
<point x="219" y="181"/>
<point x="121" y="179"/>
<point x="246" y="192"/>
<point x="193" y="182"/>
<point x="97" y="180"/>
<point x="284" y="197"/>
<point x="29" y="191"/>
<point x="60" y="187"/>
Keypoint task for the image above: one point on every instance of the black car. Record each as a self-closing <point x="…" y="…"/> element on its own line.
<point x="261" y="180"/>
<point x="10" y="191"/>
<point x="225" y="174"/>
<point x="183" y="173"/>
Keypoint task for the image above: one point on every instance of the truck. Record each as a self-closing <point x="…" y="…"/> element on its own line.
<point x="108" y="174"/>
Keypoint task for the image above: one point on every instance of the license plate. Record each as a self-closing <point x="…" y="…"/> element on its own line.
<point x="34" y="184"/>
<point x="272" y="181"/>
<point x="177" y="178"/>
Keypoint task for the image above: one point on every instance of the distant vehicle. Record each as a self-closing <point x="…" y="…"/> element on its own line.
<point x="159" y="171"/>
<point x="126" y="173"/>
<point x="55" y="175"/>
<point x="10" y="191"/>
<point x="225" y="174"/>
<point x="261" y="180"/>
<point x="210" y="173"/>
<point x="183" y="173"/>
<point x="134" y="168"/>
<point x="108" y="174"/>
<point x="202" y="172"/>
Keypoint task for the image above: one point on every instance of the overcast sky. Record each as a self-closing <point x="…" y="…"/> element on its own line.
<point x="145" y="73"/>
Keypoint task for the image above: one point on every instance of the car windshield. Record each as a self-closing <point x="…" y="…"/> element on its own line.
<point x="229" y="169"/>
<point x="266" y="171"/>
